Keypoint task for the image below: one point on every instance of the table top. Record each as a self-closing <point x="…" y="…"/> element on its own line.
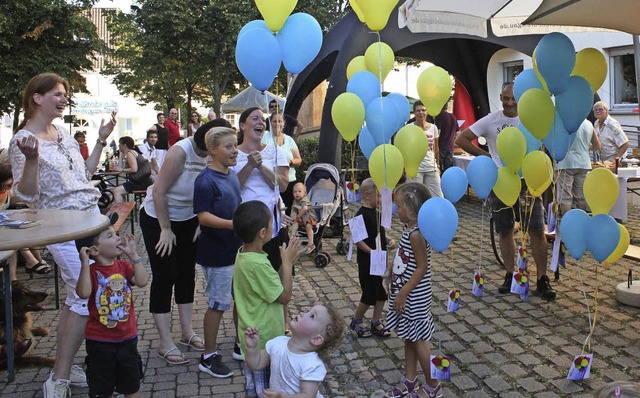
<point x="108" y="173"/>
<point x="57" y="226"/>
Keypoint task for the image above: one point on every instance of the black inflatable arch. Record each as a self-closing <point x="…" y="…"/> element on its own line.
<point x="466" y="57"/>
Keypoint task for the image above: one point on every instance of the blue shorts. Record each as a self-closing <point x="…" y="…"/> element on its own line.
<point x="256" y="381"/>
<point x="219" y="286"/>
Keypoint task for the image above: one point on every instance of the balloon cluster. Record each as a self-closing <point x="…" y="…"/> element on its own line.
<point x="262" y="45"/>
<point x="601" y="234"/>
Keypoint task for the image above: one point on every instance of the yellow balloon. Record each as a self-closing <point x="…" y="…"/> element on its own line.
<point x="536" y="112"/>
<point x="356" y="65"/>
<point x="385" y="165"/>
<point x="275" y="12"/>
<point x="537" y="171"/>
<point x="600" y="190"/>
<point x="376" y="12"/>
<point x="511" y="146"/>
<point x="535" y="69"/>
<point x="413" y="145"/>
<point x="379" y="59"/>
<point x="507" y="187"/>
<point x="434" y="89"/>
<point x="356" y="8"/>
<point x="623" y="245"/>
<point x="347" y="113"/>
<point x="592" y="65"/>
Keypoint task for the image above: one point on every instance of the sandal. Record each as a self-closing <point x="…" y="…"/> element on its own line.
<point x="404" y="388"/>
<point x="358" y="326"/>
<point x="194" y="342"/>
<point x="379" y="329"/>
<point x="426" y="391"/>
<point x="310" y="249"/>
<point x="40" y="268"/>
<point x="173" y="359"/>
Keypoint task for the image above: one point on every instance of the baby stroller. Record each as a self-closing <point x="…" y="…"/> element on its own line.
<point x="327" y="201"/>
<point x="106" y="196"/>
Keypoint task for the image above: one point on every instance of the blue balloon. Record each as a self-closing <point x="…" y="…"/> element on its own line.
<point x="300" y="41"/>
<point x="454" y="184"/>
<point x="558" y="140"/>
<point x="524" y="81"/>
<point x="482" y="174"/>
<point x="555" y="59"/>
<point x="574" y="104"/>
<point x="603" y="235"/>
<point x="533" y="144"/>
<point x="258" y="57"/>
<point x="365" y="85"/>
<point x="365" y="142"/>
<point x="573" y="232"/>
<point x="382" y="119"/>
<point x="255" y="24"/>
<point x="403" y="108"/>
<point x="438" y="222"/>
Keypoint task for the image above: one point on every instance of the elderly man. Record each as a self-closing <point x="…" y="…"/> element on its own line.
<point x="173" y="126"/>
<point x="489" y="127"/>
<point x="614" y="141"/>
<point x="212" y="115"/>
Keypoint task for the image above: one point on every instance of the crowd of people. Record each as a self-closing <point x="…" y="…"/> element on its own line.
<point x="230" y="202"/>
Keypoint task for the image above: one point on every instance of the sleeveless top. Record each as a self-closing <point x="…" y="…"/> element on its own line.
<point x="180" y="194"/>
<point x="163" y="137"/>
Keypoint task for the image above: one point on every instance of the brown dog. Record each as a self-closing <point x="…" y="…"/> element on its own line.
<point x="24" y="300"/>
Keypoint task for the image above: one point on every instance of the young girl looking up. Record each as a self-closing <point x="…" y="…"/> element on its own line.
<point x="410" y="296"/>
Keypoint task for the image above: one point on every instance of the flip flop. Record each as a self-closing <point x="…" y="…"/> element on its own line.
<point x="168" y="355"/>
<point x="197" y="345"/>
<point x="40" y="268"/>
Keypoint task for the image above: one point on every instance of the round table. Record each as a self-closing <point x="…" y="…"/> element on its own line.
<point x="54" y="226"/>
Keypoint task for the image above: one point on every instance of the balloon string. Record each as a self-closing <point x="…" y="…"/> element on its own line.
<point x="482" y="232"/>
<point x="595" y="315"/>
<point x="586" y="300"/>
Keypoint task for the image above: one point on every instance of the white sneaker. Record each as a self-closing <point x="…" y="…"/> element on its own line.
<point x="77" y="377"/>
<point x="56" y="389"/>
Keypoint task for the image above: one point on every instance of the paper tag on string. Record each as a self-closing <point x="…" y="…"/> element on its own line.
<point x="378" y="262"/>
<point x="440" y="367"/>
<point x="358" y="230"/>
<point x="580" y="367"/>
<point x="385" y="207"/>
<point x="555" y="255"/>
<point x="350" y="252"/>
<point x="478" y="284"/>
<point x="453" y="303"/>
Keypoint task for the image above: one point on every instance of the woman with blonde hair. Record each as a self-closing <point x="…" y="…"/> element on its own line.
<point x="50" y="173"/>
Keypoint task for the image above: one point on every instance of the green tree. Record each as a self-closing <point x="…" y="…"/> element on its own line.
<point x="175" y="51"/>
<point x="38" y="36"/>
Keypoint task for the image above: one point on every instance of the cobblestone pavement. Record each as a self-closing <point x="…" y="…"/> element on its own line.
<point x="500" y="346"/>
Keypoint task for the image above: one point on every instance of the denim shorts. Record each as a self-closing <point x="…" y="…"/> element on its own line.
<point x="219" y="286"/>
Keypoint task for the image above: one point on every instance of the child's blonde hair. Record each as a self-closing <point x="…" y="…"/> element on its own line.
<point x="304" y="188"/>
<point x="367" y="185"/>
<point x="334" y="331"/>
<point x="412" y="195"/>
<point x="215" y="135"/>
<point x="624" y="389"/>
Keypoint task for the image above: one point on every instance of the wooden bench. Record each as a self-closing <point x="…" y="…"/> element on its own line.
<point x="124" y="210"/>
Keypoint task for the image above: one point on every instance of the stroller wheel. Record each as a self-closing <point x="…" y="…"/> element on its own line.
<point x="340" y="249"/>
<point x="105" y="199"/>
<point x="321" y="260"/>
<point x="328" y="256"/>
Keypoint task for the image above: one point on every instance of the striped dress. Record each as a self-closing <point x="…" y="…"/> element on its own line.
<point x="416" y="322"/>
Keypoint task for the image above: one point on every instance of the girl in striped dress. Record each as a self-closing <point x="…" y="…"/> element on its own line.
<point x="409" y="279"/>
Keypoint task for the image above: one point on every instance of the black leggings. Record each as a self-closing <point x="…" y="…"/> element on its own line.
<point x="178" y="269"/>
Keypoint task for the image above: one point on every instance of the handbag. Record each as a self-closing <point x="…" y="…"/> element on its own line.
<point x="143" y="172"/>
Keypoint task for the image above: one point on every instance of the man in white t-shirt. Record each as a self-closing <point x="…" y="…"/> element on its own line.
<point x="149" y="152"/>
<point x="489" y="127"/>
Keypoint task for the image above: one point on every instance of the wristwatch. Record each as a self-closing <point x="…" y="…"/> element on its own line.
<point x="100" y="142"/>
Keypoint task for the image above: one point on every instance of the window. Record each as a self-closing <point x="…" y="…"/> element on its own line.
<point x="624" y="90"/>
<point x="129" y="124"/>
<point x="231" y="117"/>
<point x="510" y="70"/>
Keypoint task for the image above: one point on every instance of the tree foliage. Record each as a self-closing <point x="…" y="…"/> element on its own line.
<point x="173" y="51"/>
<point x="38" y="36"/>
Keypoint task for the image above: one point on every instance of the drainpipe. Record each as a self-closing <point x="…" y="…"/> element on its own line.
<point x="636" y="57"/>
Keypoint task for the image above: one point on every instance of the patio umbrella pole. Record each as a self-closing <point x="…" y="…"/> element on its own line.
<point x="636" y="57"/>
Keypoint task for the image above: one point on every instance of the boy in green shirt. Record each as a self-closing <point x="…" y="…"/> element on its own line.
<point x="259" y="291"/>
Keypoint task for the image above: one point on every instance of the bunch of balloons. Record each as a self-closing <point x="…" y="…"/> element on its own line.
<point x="601" y="234"/>
<point x="571" y="78"/>
<point x="294" y="40"/>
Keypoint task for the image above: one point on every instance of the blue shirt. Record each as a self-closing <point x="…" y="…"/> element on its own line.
<point x="218" y="194"/>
